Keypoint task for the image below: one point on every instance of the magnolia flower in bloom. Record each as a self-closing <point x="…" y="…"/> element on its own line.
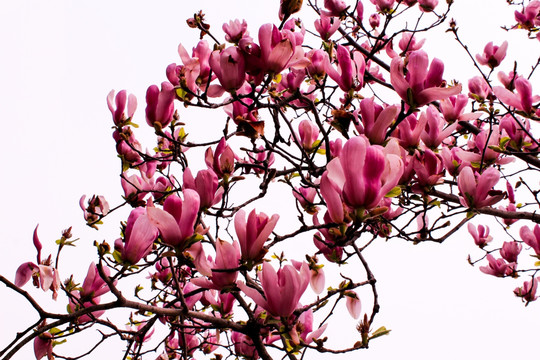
<point x="374" y="20"/>
<point x="97" y="208"/>
<point x="326" y="26"/>
<point x="177" y="218"/>
<point x="334" y="7"/>
<point x="453" y="109"/>
<point x="497" y="267"/>
<point x="139" y="236"/>
<point x="528" y="17"/>
<point x="196" y="70"/>
<point x="230" y="69"/>
<point x="364" y="173"/>
<point x="524" y="98"/>
<point x="493" y="55"/>
<point x="435" y="131"/>
<point x="89" y="294"/>
<point x="243" y="346"/>
<point x="350" y="71"/>
<point x="476" y="189"/>
<point x="510" y="251"/>
<point x="375" y="120"/>
<point x="42" y="274"/>
<point x="531" y="237"/>
<point x="383" y="5"/>
<point x="159" y="104"/>
<point x="427" y="5"/>
<point x="43" y="344"/>
<point x="480" y="235"/>
<point x="282" y="289"/>
<point x="528" y="291"/>
<point x="206" y="183"/>
<point x="303" y="329"/>
<point x="421" y="85"/>
<point x="235" y="30"/>
<point x="121" y="100"/>
<point x="221" y="272"/>
<point x="222" y="161"/>
<point x="478" y="88"/>
<point x="308" y="133"/>
<point x="253" y="233"/>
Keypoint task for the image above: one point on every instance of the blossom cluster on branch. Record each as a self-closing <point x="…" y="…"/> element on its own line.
<point x="358" y="123"/>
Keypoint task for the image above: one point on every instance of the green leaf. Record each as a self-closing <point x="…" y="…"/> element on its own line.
<point x="379" y="332"/>
<point x="394" y="192"/>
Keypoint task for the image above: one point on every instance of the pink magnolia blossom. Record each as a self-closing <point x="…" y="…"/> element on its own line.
<point x="43" y="274"/>
<point x="493" y="55"/>
<point x="230" y="68"/>
<point x="524" y="98"/>
<point x="177" y="219"/>
<point x="306" y="198"/>
<point x="428" y="5"/>
<point x="282" y="289"/>
<point x="354" y="306"/>
<point x="364" y="173"/>
<point x="436" y="130"/>
<point x="316" y="68"/>
<point x="139" y="236"/>
<point x="121" y="100"/>
<point x="375" y="120"/>
<point x="196" y="70"/>
<point x="374" y="20"/>
<point x="528" y="291"/>
<point x="303" y="329"/>
<point x="475" y="189"/>
<point x="480" y="235"/>
<point x="97" y="207"/>
<point x="497" y="267"/>
<point x="235" y="30"/>
<point x="43" y="345"/>
<point x="89" y="294"/>
<point x="510" y="251"/>
<point x="222" y="160"/>
<point x="453" y="109"/>
<point x="279" y="50"/>
<point x="308" y="133"/>
<point x="221" y="272"/>
<point x="383" y="5"/>
<point x="243" y="346"/>
<point x="326" y="26"/>
<point x="350" y="72"/>
<point x="206" y="183"/>
<point x="451" y="160"/>
<point x="528" y="18"/>
<point x="428" y="168"/>
<point x="479" y="89"/>
<point x="334" y="7"/>
<point x="409" y="131"/>
<point x="159" y="104"/>
<point x="531" y="237"/>
<point x="253" y="233"/>
<point x="422" y="83"/>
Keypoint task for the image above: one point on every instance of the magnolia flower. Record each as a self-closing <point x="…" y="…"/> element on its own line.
<point x="364" y="173"/>
<point x="176" y="221"/>
<point x="531" y="238"/>
<point x="354" y="306"/>
<point x="326" y="26"/>
<point x="510" y="251"/>
<point x="523" y="100"/>
<point x="422" y="83"/>
<point x="528" y="291"/>
<point x="230" y="68"/>
<point x="121" y="100"/>
<point x="159" y="104"/>
<point x="235" y="30"/>
<point x="282" y="289"/>
<point x="350" y="72"/>
<point x="139" y="236"/>
<point x="475" y="189"/>
<point x="493" y="55"/>
<point x="480" y="235"/>
<point x="253" y="233"/>
<point x="497" y="267"/>
<point x="375" y="120"/>
<point x="222" y="160"/>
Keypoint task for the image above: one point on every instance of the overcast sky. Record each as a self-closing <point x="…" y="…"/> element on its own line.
<point x="61" y="58"/>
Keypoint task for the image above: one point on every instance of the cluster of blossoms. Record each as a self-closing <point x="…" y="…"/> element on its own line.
<point x="416" y="165"/>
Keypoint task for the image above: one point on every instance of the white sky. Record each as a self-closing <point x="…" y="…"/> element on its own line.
<point x="61" y="58"/>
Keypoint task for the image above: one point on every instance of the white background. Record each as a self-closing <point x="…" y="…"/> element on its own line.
<point x="59" y="61"/>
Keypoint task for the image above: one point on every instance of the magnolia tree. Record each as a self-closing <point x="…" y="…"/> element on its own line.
<point x="354" y="128"/>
